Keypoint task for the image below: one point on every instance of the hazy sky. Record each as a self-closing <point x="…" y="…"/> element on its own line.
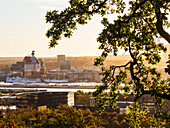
<point x="23" y="28"/>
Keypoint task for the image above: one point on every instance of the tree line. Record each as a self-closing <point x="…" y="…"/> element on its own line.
<point x="68" y="117"/>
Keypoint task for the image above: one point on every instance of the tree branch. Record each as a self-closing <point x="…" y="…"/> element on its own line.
<point x="93" y="11"/>
<point x="122" y="65"/>
<point x="118" y="67"/>
<point x="159" y="24"/>
<point x="134" y="11"/>
<point x="164" y="96"/>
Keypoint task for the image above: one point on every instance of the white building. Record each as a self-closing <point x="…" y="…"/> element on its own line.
<point x="31" y="65"/>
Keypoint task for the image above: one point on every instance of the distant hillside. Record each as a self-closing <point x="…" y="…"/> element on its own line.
<point x="85" y="61"/>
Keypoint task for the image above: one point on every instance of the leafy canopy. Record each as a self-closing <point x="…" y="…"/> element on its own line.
<point x="138" y="24"/>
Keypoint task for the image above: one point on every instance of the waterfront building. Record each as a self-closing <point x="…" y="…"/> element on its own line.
<point x="31" y="66"/>
<point x="17" y="69"/>
<point x="44" y="99"/>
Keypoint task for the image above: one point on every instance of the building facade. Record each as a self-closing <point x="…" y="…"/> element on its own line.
<point x="85" y="76"/>
<point x="17" y="69"/>
<point x="31" y="65"/>
<point x="44" y="99"/>
<point x="65" y="65"/>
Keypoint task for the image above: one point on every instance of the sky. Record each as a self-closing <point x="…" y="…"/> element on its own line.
<point x="23" y="28"/>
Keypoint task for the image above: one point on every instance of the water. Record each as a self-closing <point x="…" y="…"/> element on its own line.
<point x="51" y="89"/>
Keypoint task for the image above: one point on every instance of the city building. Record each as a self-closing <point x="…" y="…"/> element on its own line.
<point x="122" y="103"/>
<point x="42" y="68"/>
<point x="17" y="69"/>
<point x="31" y="66"/>
<point x="44" y="99"/>
<point x="65" y="65"/>
<point x="3" y="77"/>
<point x="85" y="75"/>
<point x="6" y="69"/>
<point x="60" y="58"/>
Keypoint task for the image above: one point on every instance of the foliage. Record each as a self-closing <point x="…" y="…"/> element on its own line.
<point x="160" y="119"/>
<point x="82" y="98"/>
<point x="135" y="116"/>
<point x="167" y="70"/>
<point x="135" y="30"/>
<point x="24" y="118"/>
<point x="62" y="117"/>
<point x="66" y="117"/>
<point x="7" y="120"/>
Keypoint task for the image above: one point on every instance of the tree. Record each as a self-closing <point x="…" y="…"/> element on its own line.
<point x="134" y="30"/>
<point x="136" y="116"/>
<point x="62" y="117"/>
<point x="82" y="98"/>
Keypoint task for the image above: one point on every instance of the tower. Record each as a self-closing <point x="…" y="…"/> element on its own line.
<point x="31" y="65"/>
